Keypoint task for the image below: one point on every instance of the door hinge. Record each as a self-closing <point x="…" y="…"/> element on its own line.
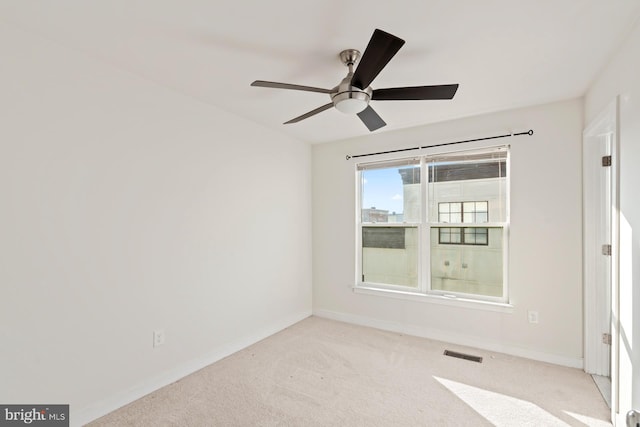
<point x="606" y="338"/>
<point x="606" y="250"/>
<point x="606" y="161"/>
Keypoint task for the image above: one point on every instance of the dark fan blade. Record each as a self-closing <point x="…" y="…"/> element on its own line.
<point x="381" y="48"/>
<point x="310" y="113"/>
<point x="415" y="93"/>
<point x="371" y="119"/>
<point x="276" y="85"/>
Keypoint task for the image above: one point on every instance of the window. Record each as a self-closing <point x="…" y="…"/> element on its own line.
<point x="463" y="236"/>
<point x="445" y="234"/>
<point x="463" y="212"/>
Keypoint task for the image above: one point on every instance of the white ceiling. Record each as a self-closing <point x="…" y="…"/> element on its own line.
<point x="503" y="53"/>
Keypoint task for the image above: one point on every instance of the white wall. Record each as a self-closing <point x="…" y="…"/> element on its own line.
<point x="127" y="207"/>
<point x="620" y="77"/>
<point x="545" y="244"/>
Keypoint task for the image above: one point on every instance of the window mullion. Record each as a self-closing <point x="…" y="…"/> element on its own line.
<point x="424" y="269"/>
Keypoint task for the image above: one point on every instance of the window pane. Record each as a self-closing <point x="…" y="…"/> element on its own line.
<point x="482" y="236"/>
<point x="469" y="212"/>
<point x="469" y="236"/>
<point x="390" y="255"/>
<point x="468" y="269"/>
<point x="455" y="217"/>
<point x="391" y="194"/>
<point x="481" y="217"/>
<point x="475" y="212"/>
<point x="455" y="236"/>
<point x="476" y="182"/>
<point x="445" y="235"/>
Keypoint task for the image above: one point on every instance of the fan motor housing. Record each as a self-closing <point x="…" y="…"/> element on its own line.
<point x="350" y="99"/>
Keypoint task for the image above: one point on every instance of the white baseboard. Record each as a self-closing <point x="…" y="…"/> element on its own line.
<point x="98" y="409"/>
<point x="446" y="336"/>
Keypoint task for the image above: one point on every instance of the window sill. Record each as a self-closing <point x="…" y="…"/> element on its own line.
<point x="436" y="299"/>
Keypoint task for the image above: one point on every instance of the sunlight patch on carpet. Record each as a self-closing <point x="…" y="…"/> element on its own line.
<point x="501" y="410"/>
<point x="590" y="421"/>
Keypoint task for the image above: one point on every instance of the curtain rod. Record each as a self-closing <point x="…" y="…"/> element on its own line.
<point x="529" y="132"/>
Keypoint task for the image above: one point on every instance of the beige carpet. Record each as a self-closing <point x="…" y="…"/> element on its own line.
<point x="319" y="372"/>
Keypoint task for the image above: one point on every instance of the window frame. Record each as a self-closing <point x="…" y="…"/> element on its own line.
<point x="424" y="227"/>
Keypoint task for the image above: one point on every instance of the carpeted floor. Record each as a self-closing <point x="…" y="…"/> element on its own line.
<point x="320" y="372"/>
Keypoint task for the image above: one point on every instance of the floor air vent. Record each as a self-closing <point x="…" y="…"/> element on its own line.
<point x="463" y="356"/>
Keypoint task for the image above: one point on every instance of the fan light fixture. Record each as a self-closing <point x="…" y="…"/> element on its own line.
<point x="351" y="102"/>
<point x="351" y="105"/>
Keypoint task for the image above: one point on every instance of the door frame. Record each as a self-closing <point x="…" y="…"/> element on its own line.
<point x="606" y="124"/>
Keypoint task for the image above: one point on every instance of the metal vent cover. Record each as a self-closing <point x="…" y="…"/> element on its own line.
<point x="463" y="356"/>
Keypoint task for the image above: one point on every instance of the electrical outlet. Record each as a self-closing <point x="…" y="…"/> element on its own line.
<point x="533" y="316"/>
<point x="158" y="337"/>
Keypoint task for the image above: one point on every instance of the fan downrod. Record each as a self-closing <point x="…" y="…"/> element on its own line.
<point x="346" y="97"/>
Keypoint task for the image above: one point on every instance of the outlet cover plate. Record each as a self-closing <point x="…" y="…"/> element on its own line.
<point x="158" y="337"/>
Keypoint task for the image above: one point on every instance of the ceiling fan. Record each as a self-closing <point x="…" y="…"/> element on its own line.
<point x="354" y="92"/>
